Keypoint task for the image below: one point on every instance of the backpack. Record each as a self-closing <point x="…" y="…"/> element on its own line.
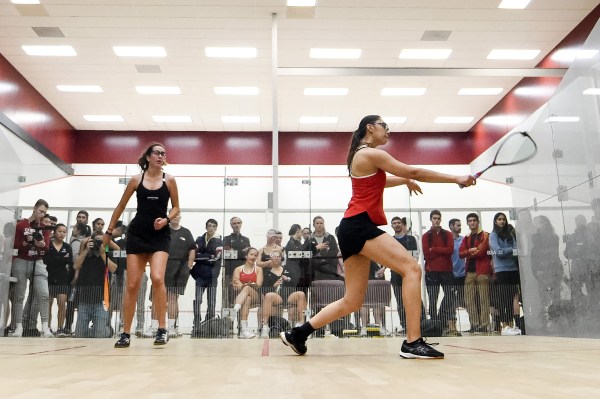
<point x="216" y="327"/>
<point x="278" y="325"/>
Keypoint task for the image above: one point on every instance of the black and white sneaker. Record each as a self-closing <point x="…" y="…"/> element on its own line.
<point x="124" y="341"/>
<point x="297" y="345"/>
<point x="419" y="349"/>
<point x="161" y="337"/>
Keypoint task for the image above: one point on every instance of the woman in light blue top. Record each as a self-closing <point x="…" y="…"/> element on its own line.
<point x="503" y="245"/>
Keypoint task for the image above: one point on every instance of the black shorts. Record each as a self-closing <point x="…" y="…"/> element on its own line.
<point x="56" y="290"/>
<point x="354" y="232"/>
<point x="177" y="274"/>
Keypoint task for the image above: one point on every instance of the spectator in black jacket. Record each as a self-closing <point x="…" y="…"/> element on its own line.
<point x="324" y="250"/>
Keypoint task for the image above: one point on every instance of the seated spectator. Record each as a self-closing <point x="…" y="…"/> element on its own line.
<point x="91" y="264"/>
<point x="58" y="260"/>
<point x="247" y="280"/>
<point x="280" y="287"/>
<point x="264" y="254"/>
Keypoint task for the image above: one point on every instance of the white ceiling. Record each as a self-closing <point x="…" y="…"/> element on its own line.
<point x="185" y="27"/>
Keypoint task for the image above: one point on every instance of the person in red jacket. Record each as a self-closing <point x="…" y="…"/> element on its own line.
<point x="438" y="246"/>
<point x="474" y="249"/>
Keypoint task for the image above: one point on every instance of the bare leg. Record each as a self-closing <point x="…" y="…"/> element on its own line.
<point x="61" y="300"/>
<point x="158" y="265"/>
<point x="271" y="299"/>
<point x="172" y="305"/>
<point x="136" y="264"/>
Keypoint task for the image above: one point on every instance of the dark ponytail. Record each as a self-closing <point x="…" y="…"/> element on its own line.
<point x="142" y="161"/>
<point x="358" y="136"/>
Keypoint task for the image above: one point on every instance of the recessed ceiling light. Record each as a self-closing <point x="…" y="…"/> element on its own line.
<point x="172" y="118"/>
<point x="535" y="91"/>
<point x="25" y="1"/>
<point x="335" y="53"/>
<point x="569" y="55"/>
<point x="592" y="91"/>
<point x="103" y="118"/>
<point x="237" y="91"/>
<point x="140" y="51"/>
<point x="158" y="89"/>
<point x="240" y="119"/>
<point x="325" y="91"/>
<point x="79" y="89"/>
<point x="25" y="117"/>
<point x="394" y="119"/>
<point x="318" y="119"/>
<point x="453" y="119"/>
<point x="50" y="51"/>
<point x="301" y="3"/>
<point x="483" y="91"/>
<point x="555" y="119"/>
<point x="6" y="87"/>
<point x="514" y="4"/>
<point x="425" y="54"/>
<point x="230" y="52"/>
<point x="403" y="91"/>
<point x="512" y="54"/>
<point x="503" y="120"/>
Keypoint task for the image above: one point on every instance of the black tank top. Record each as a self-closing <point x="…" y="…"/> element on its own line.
<point x="152" y="204"/>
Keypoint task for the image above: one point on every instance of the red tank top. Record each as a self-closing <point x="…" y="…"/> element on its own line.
<point x="246" y="278"/>
<point x="367" y="196"/>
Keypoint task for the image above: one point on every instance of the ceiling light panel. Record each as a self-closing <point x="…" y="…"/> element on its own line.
<point x="499" y="54"/>
<point x="425" y="54"/>
<point x="325" y="91"/>
<point x="79" y="88"/>
<point x="140" y="51"/>
<point x="172" y="118"/>
<point x="318" y="119"/>
<point x="503" y="120"/>
<point x="103" y="118"/>
<point x="394" y="119"/>
<point x="230" y="52"/>
<point x="482" y="91"/>
<point x="335" y="53"/>
<point x="158" y="89"/>
<point x="514" y="4"/>
<point x="50" y="51"/>
<point x="403" y="91"/>
<point x="535" y="91"/>
<point x="240" y="119"/>
<point x="237" y="91"/>
<point x="569" y="55"/>
<point x="453" y="119"/>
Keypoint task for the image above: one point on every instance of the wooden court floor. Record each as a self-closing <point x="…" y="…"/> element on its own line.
<point x="474" y="367"/>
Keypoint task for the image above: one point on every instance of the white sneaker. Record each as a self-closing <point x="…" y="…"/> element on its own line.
<point x="173" y="333"/>
<point x="510" y="331"/>
<point x="247" y="334"/>
<point x="363" y="332"/>
<point x="150" y="332"/>
<point x="264" y="333"/>
<point x="18" y="332"/>
<point x="384" y="332"/>
<point x="47" y="334"/>
<point x="139" y="332"/>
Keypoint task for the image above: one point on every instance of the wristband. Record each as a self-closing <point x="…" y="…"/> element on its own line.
<point x="168" y="220"/>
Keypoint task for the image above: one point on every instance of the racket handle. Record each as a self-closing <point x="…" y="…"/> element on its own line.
<point x="475" y="176"/>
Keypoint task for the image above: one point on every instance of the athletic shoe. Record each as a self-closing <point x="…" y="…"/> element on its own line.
<point x="18" y="332"/>
<point x="161" y="337"/>
<point x="384" y="332"/>
<point x="139" y="332"/>
<point x="264" y="333"/>
<point x="419" y="349"/>
<point x="47" y="334"/>
<point x="297" y="345"/>
<point x="124" y="341"/>
<point x="510" y="331"/>
<point x="60" y="333"/>
<point x="173" y="333"/>
<point x="247" y="334"/>
<point x="363" y="332"/>
<point x="150" y="332"/>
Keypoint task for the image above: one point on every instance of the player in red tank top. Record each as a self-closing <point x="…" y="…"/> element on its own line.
<point x="360" y="240"/>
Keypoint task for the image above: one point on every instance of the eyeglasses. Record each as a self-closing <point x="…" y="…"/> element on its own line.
<point x="383" y="125"/>
<point x="159" y="153"/>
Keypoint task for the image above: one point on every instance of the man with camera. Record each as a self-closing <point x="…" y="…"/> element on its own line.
<point x="91" y="264"/>
<point x="31" y="243"/>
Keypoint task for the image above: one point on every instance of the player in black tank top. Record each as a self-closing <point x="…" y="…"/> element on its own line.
<point x="148" y="236"/>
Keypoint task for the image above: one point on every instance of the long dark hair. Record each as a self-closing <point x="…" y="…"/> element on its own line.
<point x="142" y="161"/>
<point x="506" y="233"/>
<point x="358" y="135"/>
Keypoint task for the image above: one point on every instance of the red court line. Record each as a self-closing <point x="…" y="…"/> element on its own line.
<point x="475" y="349"/>
<point x="55" y="350"/>
<point x="265" y="349"/>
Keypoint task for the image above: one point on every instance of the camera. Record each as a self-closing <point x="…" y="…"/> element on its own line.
<point x="97" y="243"/>
<point x="37" y="235"/>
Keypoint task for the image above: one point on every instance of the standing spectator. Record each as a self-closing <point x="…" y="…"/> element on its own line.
<point x="324" y="250"/>
<point x="247" y="280"/>
<point x="80" y="231"/>
<point x="181" y="260"/>
<point x="458" y="265"/>
<point x="305" y="235"/>
<point x="474" y="249"/>
<point x="297" y="265"/>
<point x="58" y="260"/>
<point x="503" y="245"/>
<point x="91" y="263"/>
<point x="31" y="243"/>
<point x="280" y="288"/>
<point x="98" y="225"/>
<point x="234" y="246"/>
<point x="81" y="225"/>
<point x="409" y="242"/>
<point x="206" y="270"/>
<point x="264" y="254"/>
<point x="117" y="283"/>
<point x="438" y="246"/>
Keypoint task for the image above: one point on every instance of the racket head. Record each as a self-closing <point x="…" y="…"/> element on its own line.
<point x="516" y="148"/>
